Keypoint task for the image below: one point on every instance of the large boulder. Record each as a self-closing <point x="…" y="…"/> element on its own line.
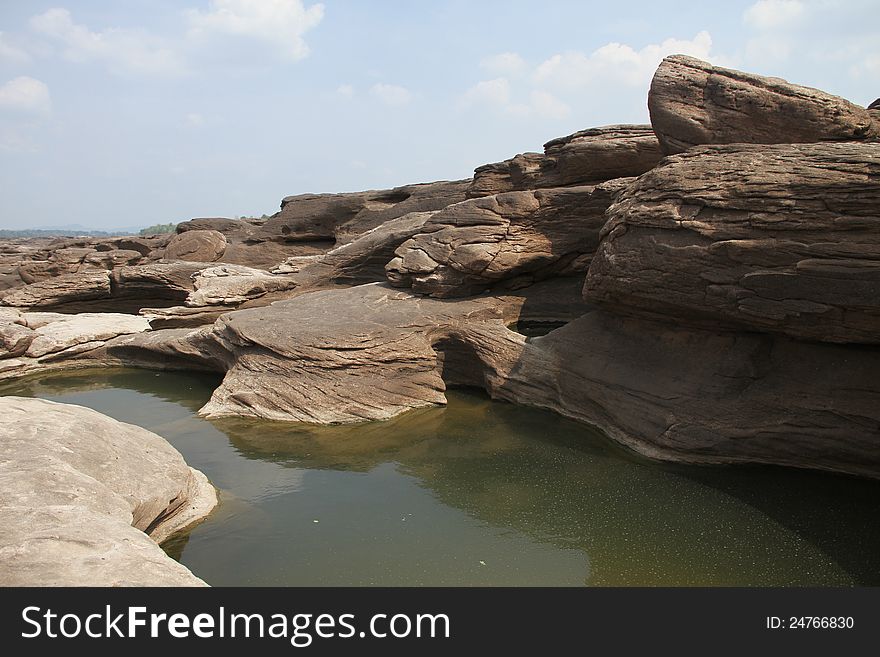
<point x="781" y="238"/>
<point x="79" y="490"/>
<point x="525" y="235"/>
<point x="692" y="102"/>
<point x="196" y="246"/>
<point x="586" y="157"/>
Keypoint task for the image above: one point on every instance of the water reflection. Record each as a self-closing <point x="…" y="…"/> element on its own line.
<point x="481" y="493"/>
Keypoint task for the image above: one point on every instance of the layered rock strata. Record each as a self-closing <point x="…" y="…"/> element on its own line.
<point x="692" y="102"/>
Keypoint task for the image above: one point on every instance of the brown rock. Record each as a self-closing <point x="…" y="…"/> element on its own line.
<point x="692" y="102"/>
<point x="14" y="339"/>
<point x="112" y="258"/>
<point x="341" y="217"/>
<point x="472" y="245"/>
<point x="348" y="355"/>
<point x="780" y="238"/>
<point x="586" y="157"/>
<point x="231" y="285"/>
<point x="196" y="246"/>
<point x="688" y="395"/>
<point x="67" y="288"/>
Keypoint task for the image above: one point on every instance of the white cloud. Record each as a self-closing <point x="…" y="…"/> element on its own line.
<point x="616" y="72"/>
<point x="280" y="23"/>
<point x="507" y="64"/>
<point x="11" y="54"/>
<point x="195" y="119"/>
<point x="546" y="105"/>
<point x="122" y="50"/>
<point x="497" y="95"/>
<point x="488" y="92"/>
<point x="767" y="14"/>
<point x="27" y="95"/>
<point x="391" y="94"/>
<point x="345" y="90"/>
<point x="617" y="63"/>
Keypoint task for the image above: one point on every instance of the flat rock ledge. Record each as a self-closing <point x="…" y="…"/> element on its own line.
<point x="85" y="499"/>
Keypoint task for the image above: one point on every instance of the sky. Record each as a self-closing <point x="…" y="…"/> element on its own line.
<point x="129" y="113"/>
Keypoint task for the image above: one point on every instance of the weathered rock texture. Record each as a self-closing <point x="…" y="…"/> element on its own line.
<point x="361" y="260"/>
<point x="341" y="217"/>
<point x="692" y="102"/>
<point x="353" y="354"/>
<point x="31" y="342"/>
<point x="196" y="246"/>
<point x="231" y="285"/>
<point x="586" y="157"/>
<point x="471" y="245"/>
<point x="82" y="329"/>
<point x="769" y="238"/>
<point x="79" y="490"/>
<point x="689" y="395"/>
<point x="248" y="242"/>
<point x="26" y="261"/>
<point x="60" y="290"/>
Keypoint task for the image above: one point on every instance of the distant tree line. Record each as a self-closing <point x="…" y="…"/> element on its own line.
<point x="158" y="229"/>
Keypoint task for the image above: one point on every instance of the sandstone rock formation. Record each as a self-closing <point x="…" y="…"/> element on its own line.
<point x="230" y="285"/>
<point x="471" y="245"/>
<point x="31" y="342"/>
<point x="341" y="217"/>
<point x="196" y="246"/>
<point x="60" y="290"/>
<point x="361" y="260"/>
<point x="731" y="309"/>
<point x="81" y="330"/>
<point x="777" y="238"/>
<point x="689" y="395"/>
<point x="692" y="102"/>
<point x="586" y="157"/>
<point x="348" y="355"/>
<point x="78" y="492"/>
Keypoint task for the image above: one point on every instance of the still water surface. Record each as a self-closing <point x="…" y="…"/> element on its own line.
<point x="480" y="493"/>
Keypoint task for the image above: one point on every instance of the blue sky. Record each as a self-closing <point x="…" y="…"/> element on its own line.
<point x="129" y="113"/>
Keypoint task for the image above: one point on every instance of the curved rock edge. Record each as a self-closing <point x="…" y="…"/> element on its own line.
<point x="84" y="528"/>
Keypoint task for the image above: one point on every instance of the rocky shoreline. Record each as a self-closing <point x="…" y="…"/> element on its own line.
<point x="714" y="277"/>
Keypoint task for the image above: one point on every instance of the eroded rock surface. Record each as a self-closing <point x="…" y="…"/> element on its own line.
<point x="79" y="490"/>
<point x="353" y="354"/>
<point x="341" y="217"/>
<point x="469" y="246"/>
<point x="782" y="238"/>
<point x="196" y="246"/>
<point x="60" y="290"/>
<point x="230" y="285"/>
<point x="586" y="157"/>
<point x="692" y="102"/>
<point x="690" y="395"/>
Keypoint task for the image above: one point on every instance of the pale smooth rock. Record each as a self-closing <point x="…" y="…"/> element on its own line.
<point x="83" y="328"/>
<point x="79" y="490"/>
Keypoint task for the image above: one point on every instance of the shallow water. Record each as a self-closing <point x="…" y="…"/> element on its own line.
<point x="480" y="493"/>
